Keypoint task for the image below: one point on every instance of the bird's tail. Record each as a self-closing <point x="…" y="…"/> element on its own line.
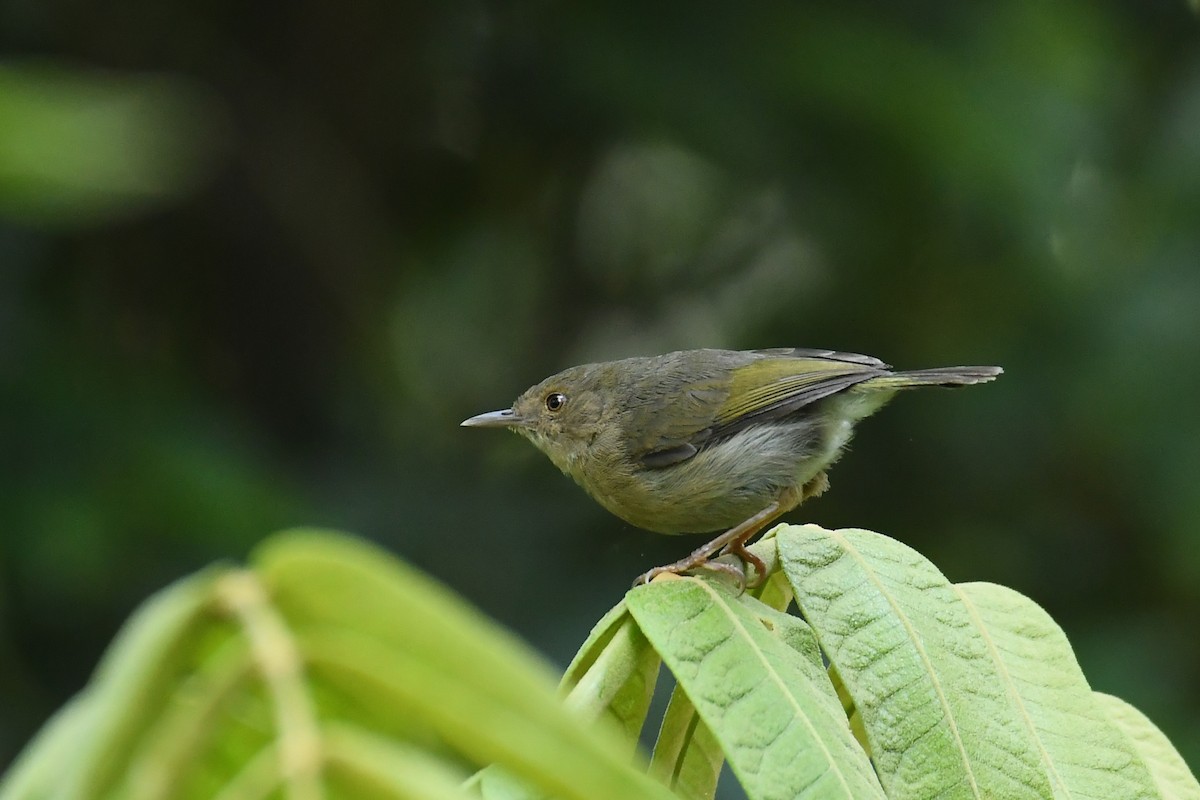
<point x="939" y="376"/>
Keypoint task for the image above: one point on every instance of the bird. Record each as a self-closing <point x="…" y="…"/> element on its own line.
<point x="697" y="441"/>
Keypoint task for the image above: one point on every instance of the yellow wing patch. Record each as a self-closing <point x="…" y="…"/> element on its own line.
<point x="769" y="382"/>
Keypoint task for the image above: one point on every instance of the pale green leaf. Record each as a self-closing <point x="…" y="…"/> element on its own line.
<point x="1083" y="754"/>
<point x="775" y="591"/>
<point x="364" y="767"/>
<point x="178" y="739"/>
<point x="1172" y="778"/>
<point x="856" y="723"/>
<point x="135" y="679"/>
<point x="939" y="719"/>
<point x="495" y="783"/>
<point x="375" y="619"/>
<point x="299" y="677"/>
<point x="687" y="757"/>
<point x="612" y="676"/>
<point x="597" y="639"/>
<point x="113" y="717"/>
<point x="619" y="683"/>
<point x="38" y="772"/>
<point x="772" y="709"/>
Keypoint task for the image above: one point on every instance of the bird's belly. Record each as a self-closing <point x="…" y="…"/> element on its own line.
<point x="724" y="483"/>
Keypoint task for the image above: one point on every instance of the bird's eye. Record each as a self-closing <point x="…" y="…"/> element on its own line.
<point x="555" y="401"/>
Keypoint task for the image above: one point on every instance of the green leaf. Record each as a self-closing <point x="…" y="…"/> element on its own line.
<point x="136" y="678"/>
<point x="363" y="766"/>
<point x="495" y="783"/>
<point x="1083" y="754"/>
<point x="613" y="676"/>
<point x="77" y="146"/>
<point x="963" y="691"/>
<point x="483" y="690"/>
<point x="687" y="757"/>
<point x="1172" y="778"/>
<point x="620" y="682"/>
<point x="772" y="709"/>
<point x="329" y="670"/>
<point x="938" y="717"/>
<point x="597" y="639"/>
<point x="613" y="673"/>
<point x="37" y="772"/>
<point x="776" y="590"/>
<point x="172" y="748"/>
<point x="856" y="723"/>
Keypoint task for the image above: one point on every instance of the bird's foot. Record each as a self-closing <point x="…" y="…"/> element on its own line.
<point x="738" y="574"/>
<point x="738" y="548"/>
<point x="677" y="568"/>
<point x="732" y="541"/>
<point x="722" y="545"/>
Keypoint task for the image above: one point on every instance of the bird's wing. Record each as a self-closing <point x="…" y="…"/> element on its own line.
<point x="827" y="355"/>
<point x="773" y="384"/>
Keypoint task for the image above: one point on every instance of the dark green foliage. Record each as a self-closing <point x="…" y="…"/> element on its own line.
<point x="258" y="261"/>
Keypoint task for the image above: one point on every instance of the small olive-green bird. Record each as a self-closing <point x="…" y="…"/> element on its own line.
<point x="704" y="440"/>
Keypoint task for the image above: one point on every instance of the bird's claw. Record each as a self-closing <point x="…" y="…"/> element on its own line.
<point x="677" y="569"/>
<point x="739" y="574"/>
<point x="756" y="564"/>
<point x="646" y="577"/>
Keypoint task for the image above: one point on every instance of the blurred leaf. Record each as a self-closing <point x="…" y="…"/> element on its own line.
<point x="37" y="771"/>
<point x="365" y="766"/>
<point x="130" y="688"/>
<point x="77" y="146"/>
<point x="482" y="690"/>
<point x="330" y="670"/>
<point x="247" y="682"/>
<point x="613" y="674"/>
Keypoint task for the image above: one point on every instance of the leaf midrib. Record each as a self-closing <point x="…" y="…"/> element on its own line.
<point x="849" y="549"/>
<point x="781" y="684"/>
<point x="1006" y="676"/>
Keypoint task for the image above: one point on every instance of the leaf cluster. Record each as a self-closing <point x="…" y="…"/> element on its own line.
<point x="328" y="669"/>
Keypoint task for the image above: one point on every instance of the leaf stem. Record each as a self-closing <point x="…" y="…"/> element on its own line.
<point x="278" y="661"/>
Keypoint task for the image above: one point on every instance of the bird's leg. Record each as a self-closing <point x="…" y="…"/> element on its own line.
<point x="733" y="541"/>
<point x="738" y="533"/>
<point x="788" y="499"/>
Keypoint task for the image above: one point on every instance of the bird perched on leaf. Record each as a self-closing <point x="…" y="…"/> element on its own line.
<point x="704" y="440"/>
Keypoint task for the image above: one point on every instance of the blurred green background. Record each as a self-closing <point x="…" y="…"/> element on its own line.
<point x="258" y="261"/>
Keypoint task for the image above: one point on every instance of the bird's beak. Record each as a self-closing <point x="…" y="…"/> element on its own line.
<point x="493" y="419"/>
